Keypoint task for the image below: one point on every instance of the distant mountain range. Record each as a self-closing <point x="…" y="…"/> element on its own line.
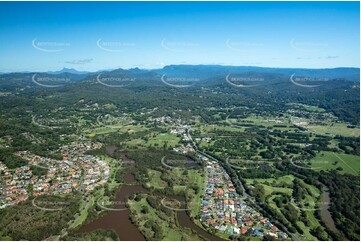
<point x="211" y="71"/>
<point x="69" y="70"/>
<point x="207" y="72"/>
<point x="220" y="84"/>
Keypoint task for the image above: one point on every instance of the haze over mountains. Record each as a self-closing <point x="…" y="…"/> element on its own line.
<point x="203" y="72"/>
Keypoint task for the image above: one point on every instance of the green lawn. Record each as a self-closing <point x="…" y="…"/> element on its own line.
<point x="270" y="189"/>
<point x="170" y="233"/>
<point x="135" y="142"/>
<point x="155" y="180"/>
<point x="195" y="204"/>
<point x="306" y="232"/>
<point x="178" y="189"/>
<point x="84" y="214"/>
<point x="211" y="128"/>
<point x="309" y="108"/>
<point x="160" y="140"/>
<point x="264" y="120"/>
<point x="114" y="128"/>
<point x="287" y="179"/>
<point x="310" y="199"/>
<point x="330" y="161"/>
<point x="334" y="129"/>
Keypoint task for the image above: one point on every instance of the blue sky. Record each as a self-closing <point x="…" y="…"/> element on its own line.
<point x="92" y="36"/>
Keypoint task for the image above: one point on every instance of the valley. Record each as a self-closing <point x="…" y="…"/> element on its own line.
<point x="168" y="172"/>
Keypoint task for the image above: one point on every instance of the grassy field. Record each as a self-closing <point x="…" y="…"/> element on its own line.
<point x="163" y="138"/>
<point x="136" y="142"/>
<point x="155" y="180"/>
<point x="211" y="128"/>
<point x="277" y="187"/>
<point x="264" y="121"/>
<point x="331" y="161"/>
<point x="334" y="129"/>
<point x="195" y="176"/>
<point x="287" y="179"/>
<point x="79" y="220"/>
<point x="101" y="130"/>
<point x="308" y="203"/>
<point x="170" y="232"/>
<point x="204" y="144"/>
<point x="129" y="128"/>
<point x="309" y="108"/>
<point x="270" y="189"/>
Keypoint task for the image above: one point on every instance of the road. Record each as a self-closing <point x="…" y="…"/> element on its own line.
<point x="245" y="194"/>
<point x="82" y="189"/>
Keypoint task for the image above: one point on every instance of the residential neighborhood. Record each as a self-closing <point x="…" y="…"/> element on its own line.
<point x="75" y="171"/>
<point x="224" y="209"/>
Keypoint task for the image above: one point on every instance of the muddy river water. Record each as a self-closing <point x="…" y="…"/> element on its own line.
<point x="324" y="210"/>
<point x="118" y="218"/>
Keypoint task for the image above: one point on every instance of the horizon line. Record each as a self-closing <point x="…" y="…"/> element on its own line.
<point x="156" y="68"/>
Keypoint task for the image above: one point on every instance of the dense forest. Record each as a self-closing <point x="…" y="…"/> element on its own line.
<point x="41" y="120"/>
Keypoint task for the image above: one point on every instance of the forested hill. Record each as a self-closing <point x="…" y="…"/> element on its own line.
<point x="336" y="90"/>
<point x="208" y="71"/>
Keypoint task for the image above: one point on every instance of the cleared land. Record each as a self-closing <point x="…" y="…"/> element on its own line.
<point x="331" y="161"/>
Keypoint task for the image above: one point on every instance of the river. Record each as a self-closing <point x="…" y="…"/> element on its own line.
<point x="324" y="209"/>
<point x="185" y="220"/>
<point x="118" y="218"/>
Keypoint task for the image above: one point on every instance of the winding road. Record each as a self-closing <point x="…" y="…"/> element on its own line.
<point x="251" y="199"/>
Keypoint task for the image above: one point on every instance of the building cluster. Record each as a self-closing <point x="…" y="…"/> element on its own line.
<point x="203" y="139"/>
<point x="75" y="171"/>
<point x="224" y="210"/>
<point x="162" y="120"/>
<point x="313" y="116"/>
<point x="13" y="191"/>
<point x="181" y="130"/>
<point x="184" y="149"/>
